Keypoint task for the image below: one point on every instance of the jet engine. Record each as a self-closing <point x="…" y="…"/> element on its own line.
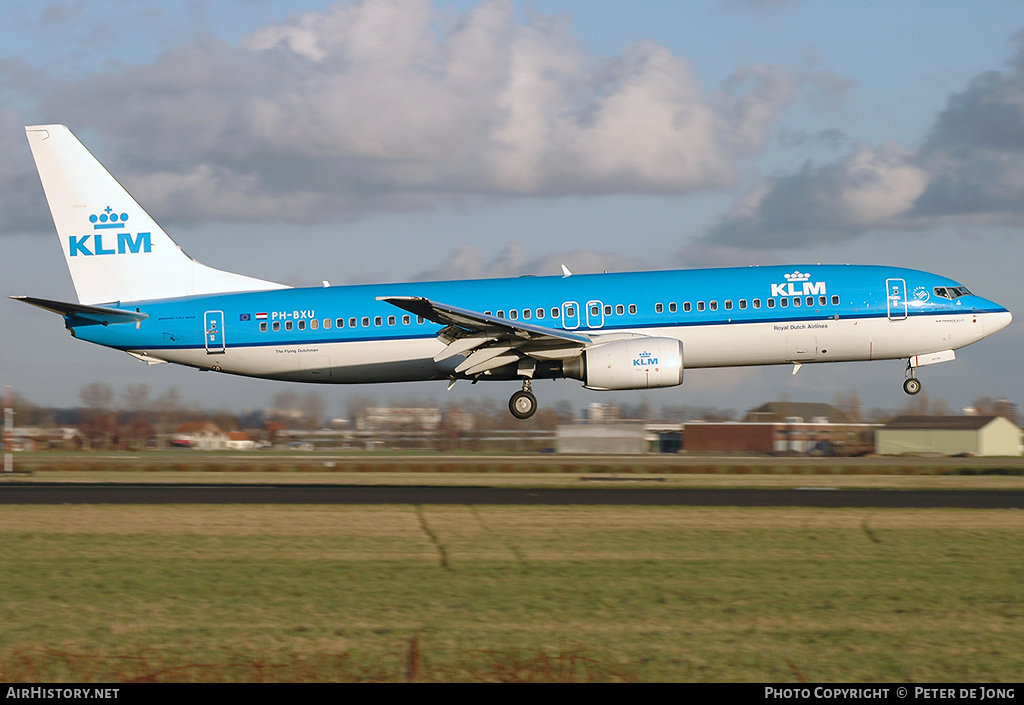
<point x="634" y="363"/>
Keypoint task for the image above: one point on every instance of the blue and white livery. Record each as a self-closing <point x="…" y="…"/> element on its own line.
<point x="139" y="292"/>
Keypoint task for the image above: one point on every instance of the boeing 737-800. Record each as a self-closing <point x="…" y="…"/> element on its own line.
<point x="139" y="292"/>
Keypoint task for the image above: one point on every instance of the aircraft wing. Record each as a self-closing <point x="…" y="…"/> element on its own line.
<point x="489" y="342"/>
<point x="94" y="314"/>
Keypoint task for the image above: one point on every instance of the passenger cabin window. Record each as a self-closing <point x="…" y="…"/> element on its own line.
<point x="687" y="306"/>
<point x="263" y="326"/>
<point x="302" y="325"/>
<point x="796" y="301"/>
<point x="728" y="305"/>
<point x="287" y="325"/>
<point x="378" y="321"/>
<point x="353" y="322"/>
<point x="277" y="325"/>
<point x="771" y="303"/>
<point x="743" y="304"/>
<point x="757" y="303"/>
<point x="713" y="305"/>
<point x="540" y="313"/>
<point x="513" y="314"/>
<point x="658" y="308"/>
<point x="835" y="299"/>
<point x="620" y="309"/>
<point x="608" y="309"/>
<point x="406" y="319"/>
<point x="700" y="305"/>
<point x="555" y="311"/>
<point x="314" y="324"/>
<point x="784" y="302"/>
<point x="632" y="309"/>
<point x="501" y="314"/>
<point x="570" y="311"/>
<point x="527" y="313"/>
<point x="392" y="320"/>
<point x="366" y="321"/>
<point x="672" y="307"/>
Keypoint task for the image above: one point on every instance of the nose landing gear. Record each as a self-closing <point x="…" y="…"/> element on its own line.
<point x="911" y="385"/>
<point x="523" y="404"/>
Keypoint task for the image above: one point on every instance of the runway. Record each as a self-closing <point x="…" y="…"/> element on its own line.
<point x="811" y="496"/>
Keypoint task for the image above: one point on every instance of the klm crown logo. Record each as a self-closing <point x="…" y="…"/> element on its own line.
<point x="645" y="360"/>
<point x="108" y="219"/>
<point x="798" y="284"/>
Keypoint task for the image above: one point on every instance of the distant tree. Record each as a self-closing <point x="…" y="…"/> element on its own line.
<point x="135" y="397"/>
<point x="357" y="406"/>
<point x="641" y="411"/>
<point x="987" y="406"/>
<point x="99" y="422"/>
<point x="923" y="405"/>
<point x="169" y="402"/>
<point x="1007" y="409"/>
<point x="167" y="407"/>
<point x="849" y="403"/>
<point x="28" y="414"/>
<point x="879" y="415"/>
<point x="135" y="428"/>
<point x="312" y="407"/>
<point x="98" y="396"/>
<point x="563" y="409"/>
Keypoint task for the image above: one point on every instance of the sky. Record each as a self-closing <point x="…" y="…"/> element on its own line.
<point x="406" y="140"/>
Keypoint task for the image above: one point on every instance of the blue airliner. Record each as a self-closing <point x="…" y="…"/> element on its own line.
<point x="139" y="292"/>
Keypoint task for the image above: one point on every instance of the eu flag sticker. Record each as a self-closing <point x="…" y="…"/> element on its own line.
<point x="245" y="317"/>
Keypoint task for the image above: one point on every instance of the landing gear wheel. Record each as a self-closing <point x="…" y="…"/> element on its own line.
<point x="912" y="386"/>
<point x="523" y="405"/>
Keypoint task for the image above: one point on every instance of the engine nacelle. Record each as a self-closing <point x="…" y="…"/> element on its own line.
<point x="634" y="363"/>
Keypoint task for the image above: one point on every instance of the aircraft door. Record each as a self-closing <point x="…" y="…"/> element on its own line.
<point x="213" y="325"/>
<point x="896" y="299"/>
<point x="570" y="315"/>
<point x="595" y="314"/>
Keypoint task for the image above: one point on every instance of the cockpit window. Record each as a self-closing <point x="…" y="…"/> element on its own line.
<point x="952" y="292"/>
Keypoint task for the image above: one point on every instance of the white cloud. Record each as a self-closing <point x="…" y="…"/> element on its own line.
<point x="368" y="107"/>
<point x="970" y="170"/>
<point x="467" y="262"/>
<point x="878" y="185"/>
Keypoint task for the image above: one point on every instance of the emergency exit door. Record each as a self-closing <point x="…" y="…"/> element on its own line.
<point x="896" y="299"/>
<point x="213" y="324"/>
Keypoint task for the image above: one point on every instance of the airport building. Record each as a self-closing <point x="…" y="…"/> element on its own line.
<point x="949" y="435"/>
<point x="621" y="438"/>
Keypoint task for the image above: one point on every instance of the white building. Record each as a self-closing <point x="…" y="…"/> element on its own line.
<point x="949" y="435"/>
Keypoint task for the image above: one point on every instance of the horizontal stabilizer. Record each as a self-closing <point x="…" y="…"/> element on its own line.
<point x="95" y="314"/>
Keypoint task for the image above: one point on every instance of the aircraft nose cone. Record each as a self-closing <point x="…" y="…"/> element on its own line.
<point x="997" y="321"/>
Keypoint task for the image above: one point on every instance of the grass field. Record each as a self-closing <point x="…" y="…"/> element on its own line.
<point x="441" y="593"/>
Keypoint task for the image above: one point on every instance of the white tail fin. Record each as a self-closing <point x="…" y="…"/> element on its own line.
<point x="114" y="249"/>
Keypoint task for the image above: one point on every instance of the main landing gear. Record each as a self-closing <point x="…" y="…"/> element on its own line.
<point x="912" y="385"/>
<point x="523" y="404"/>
